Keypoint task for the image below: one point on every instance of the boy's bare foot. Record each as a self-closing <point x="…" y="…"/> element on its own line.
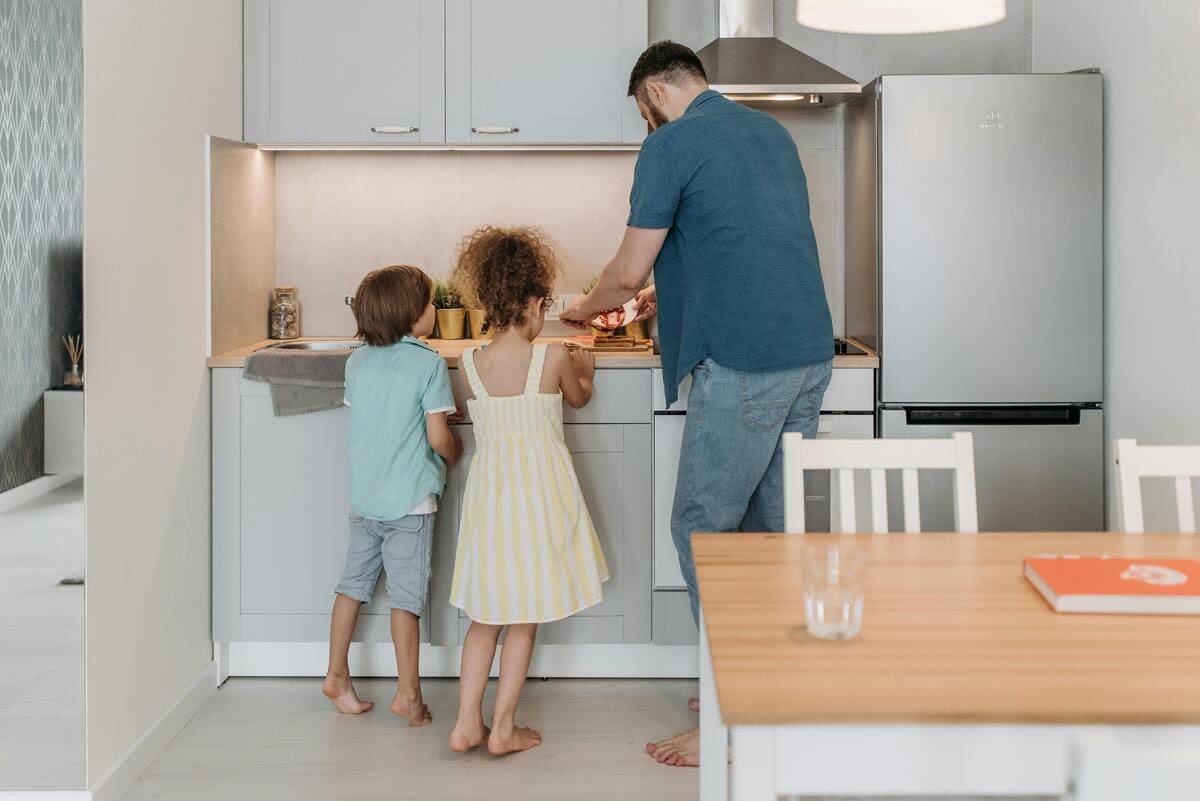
<point x="340" y="690"/>
<point x="682" y="750"/>
<point x="694" y="704"/>
<point x="411" y="706"/>
<point x="519" y="738"/>
<point x="467" y="736"/>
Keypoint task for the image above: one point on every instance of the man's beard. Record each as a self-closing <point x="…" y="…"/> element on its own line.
<point x="657" y="118"/>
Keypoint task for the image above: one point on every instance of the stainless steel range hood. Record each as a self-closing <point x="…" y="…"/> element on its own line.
<point x="748" y="64"/>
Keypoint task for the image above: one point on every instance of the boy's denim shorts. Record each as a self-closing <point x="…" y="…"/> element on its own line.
<point x="403" y="548"/>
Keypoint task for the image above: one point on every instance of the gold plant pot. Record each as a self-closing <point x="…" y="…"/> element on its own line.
<point x="478" y="318"/>
<point x="450" y="323"/>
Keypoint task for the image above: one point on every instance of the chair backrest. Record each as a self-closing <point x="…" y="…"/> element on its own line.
<point x="844" y="456"/>
<point x="1135" y="462"/>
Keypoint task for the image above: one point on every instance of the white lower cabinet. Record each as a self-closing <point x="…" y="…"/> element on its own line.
<point x="280" y="528"/>
<point x="280" y="512"/>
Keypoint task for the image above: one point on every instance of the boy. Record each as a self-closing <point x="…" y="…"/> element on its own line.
<point x="398" y="391"/>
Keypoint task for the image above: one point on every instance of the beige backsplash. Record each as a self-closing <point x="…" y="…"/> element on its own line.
<point x="341" y="214"/>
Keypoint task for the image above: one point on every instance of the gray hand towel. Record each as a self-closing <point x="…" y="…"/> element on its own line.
<point x="301" y="381"/>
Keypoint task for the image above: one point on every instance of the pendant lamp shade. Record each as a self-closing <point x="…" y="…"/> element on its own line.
<point x="898" y="16"/>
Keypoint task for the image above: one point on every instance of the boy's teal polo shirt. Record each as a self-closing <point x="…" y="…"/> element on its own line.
<point x="389" y="391"/>
<point x="738" y="277"/>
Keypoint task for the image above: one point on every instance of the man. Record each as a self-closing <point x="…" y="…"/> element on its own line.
<point x="719" y="211"/>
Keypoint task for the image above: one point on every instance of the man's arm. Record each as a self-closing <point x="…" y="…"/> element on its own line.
<point x="624" y="276"/>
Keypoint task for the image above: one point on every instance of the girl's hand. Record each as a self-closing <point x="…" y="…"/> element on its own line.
<point x="584" y="362"/>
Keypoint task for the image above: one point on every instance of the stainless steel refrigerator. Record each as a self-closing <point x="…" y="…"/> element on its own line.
<point x="974" y="264"/>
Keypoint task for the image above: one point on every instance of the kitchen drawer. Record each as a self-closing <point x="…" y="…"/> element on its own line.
<point x="620" y="396"/>
<point x="852" y="389"/>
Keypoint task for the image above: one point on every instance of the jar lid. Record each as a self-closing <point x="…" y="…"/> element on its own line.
<point x="284" y="289"/>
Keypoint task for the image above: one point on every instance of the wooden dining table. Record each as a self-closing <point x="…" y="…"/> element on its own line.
<point x="962" y="681"/>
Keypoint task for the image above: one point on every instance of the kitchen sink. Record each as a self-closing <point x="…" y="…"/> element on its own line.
<point x="321" y="344"/>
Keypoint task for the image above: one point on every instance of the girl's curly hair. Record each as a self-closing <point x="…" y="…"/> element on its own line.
<point x="501" y="269"/>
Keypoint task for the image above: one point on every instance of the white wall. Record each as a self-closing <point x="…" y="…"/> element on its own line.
<point x="1150" y="56"/>
<point x="158" y="75"/>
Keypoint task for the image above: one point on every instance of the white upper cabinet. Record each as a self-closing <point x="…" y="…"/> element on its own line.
<point x="412" y="72"/>
<point x="368" y="72"/>
<point x="543" y="71"/>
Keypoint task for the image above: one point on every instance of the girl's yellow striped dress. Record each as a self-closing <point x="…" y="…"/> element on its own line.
<point x="527" y="549"/>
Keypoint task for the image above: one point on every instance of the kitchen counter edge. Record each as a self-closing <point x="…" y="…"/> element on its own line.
<point x="452" y="349"/>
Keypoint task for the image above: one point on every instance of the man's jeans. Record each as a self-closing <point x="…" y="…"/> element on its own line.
<point x="731" y="464"/>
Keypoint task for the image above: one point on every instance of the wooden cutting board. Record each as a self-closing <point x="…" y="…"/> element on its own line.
<point x="612" y="344"/>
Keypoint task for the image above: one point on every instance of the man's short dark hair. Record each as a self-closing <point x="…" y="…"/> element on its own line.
<point x="666" y="61"/>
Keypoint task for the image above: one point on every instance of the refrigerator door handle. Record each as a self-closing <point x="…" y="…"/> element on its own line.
<point x="994" y="416"/>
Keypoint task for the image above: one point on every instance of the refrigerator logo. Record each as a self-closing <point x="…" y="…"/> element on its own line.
<point x="991" y="119"/>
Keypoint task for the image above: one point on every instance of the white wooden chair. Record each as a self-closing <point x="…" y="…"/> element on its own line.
<point x="1134" y="761"/>
<point x="844" y="456"/>
<point x="865" y="759"/>
<point x="1135" y="462"/>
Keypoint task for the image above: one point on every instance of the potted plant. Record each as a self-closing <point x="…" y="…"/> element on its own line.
<point x="478" y="318"/>
<point x="451" y="315"/>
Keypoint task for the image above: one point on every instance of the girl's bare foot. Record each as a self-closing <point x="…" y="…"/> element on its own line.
<point x="467" y="736"/>
<point x="682" y="750"/>
<point x="519" y="738"/>
<point x="411" y="706"/>
<point x="340" y="690"/>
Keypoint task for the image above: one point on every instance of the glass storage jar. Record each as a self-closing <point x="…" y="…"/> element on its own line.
<point x="285" y="313"/>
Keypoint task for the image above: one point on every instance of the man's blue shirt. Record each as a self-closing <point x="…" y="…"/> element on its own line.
<point x="738" y="277"/>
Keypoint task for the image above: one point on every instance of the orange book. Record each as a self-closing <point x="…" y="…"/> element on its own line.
<point x="1146" y="586"/>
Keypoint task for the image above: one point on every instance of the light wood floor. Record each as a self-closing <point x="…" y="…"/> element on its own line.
<point x="268" y="739"/>
<point x="41" y="643"/>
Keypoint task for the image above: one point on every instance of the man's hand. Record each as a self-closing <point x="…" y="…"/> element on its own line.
<point x="647" y="303"/>
<point x="575" y="315"/>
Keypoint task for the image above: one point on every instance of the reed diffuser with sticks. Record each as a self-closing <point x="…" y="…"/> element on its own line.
<point x="74" y="344"/>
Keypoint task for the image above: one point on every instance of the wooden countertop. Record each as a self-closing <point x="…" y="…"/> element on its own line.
<point x="951" y="632"/>
<point x="452" y="349"/>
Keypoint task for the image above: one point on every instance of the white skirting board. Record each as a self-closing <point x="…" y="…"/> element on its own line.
<point x="45" y="795"/>
<point x="121" y="775"/>
<point x="378" y="659"/>
<point x="26" y="492"/>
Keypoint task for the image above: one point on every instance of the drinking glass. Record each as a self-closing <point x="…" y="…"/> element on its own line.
<point x="834" y="577"/>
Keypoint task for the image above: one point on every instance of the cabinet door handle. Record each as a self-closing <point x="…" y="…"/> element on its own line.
<point x="496" y="129"/>
<point x="394" y="129"/>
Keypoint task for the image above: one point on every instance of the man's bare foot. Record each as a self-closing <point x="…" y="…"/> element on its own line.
<point x="682" y="750"/>
<point x="467" y="736"/>
<point x="340" y="690"/>
<point x="411" y="706"/>
<point x="694" y="704"/>
<point x="518" y="738"/>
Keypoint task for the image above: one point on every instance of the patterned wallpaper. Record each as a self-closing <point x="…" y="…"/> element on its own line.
<point x="41" y="217"/>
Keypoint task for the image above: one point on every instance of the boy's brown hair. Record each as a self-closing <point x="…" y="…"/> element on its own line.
<point x="501" y="269"/>
<point x="389" y="302"/>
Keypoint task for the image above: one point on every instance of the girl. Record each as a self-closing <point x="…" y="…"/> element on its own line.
<point x="527" y="550"/>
